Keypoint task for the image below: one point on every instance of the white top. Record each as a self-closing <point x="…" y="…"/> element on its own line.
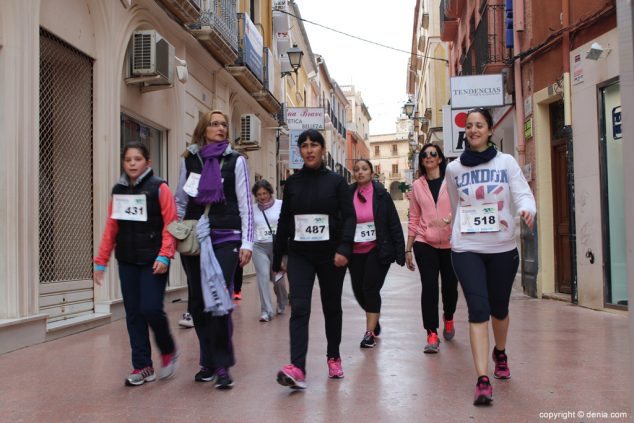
<point x="500" y="182"/>
<point x="272" y="214"/>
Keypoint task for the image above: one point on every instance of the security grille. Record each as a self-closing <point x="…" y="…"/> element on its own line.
<point x="65" y="179"/>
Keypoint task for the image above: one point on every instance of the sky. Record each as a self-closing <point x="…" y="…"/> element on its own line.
<point x="379" y="73"/>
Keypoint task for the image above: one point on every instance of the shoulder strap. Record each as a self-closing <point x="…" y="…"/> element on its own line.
<point x="267" y="222"/>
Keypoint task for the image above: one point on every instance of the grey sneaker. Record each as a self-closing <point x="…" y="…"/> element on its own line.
<point x="140" y="376"/>
<point x="265" y="317"/>
<point x="433" y="343"/>
<point x="169" y="364"/>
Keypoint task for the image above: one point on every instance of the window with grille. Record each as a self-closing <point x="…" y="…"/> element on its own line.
<point x="377" y="150"/>
<point x="394" y="149"/>
<point x="65" y="179"/>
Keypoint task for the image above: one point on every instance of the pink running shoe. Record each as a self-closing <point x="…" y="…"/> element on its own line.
<point x="335" y="371"/>
<point x="483" y="392"/>
<point x="502" y="370"/>
<point x="292" y="377"/>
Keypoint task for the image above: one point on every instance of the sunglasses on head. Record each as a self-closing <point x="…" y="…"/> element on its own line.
<point x="426" y="154"/>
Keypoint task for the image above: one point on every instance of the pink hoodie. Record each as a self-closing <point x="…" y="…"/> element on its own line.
<point x="423" y="210"/>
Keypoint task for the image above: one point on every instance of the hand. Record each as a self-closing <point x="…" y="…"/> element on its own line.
<point x="340" y="260"/>
<point x="409" y="261"/>
<point x="98" y="276"/>
<point x="245" y="257"/>
<point x="159" y="268"/>
<point x="528" y="219"/>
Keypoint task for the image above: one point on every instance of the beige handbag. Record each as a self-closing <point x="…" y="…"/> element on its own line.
<point x="185" y="233"/>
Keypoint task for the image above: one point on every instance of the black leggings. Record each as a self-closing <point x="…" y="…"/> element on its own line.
<point x="430" y="262"/>
<point x="214" y="332"/>
<point x="367" y="275"/>
<point x="302" y="268"/>
<point x="486" y="280"/>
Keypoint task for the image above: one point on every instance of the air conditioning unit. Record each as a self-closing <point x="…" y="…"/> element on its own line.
<point x="250" y="131"/>
<point x="151" y="60"/>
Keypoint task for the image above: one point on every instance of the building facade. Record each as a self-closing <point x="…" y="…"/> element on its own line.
<point x="81" y="90"/>
<point x="391" y="157"/>
<point x="428" y="74"/>
<point x="357" y="127"/>
<point x="563" y="124"/>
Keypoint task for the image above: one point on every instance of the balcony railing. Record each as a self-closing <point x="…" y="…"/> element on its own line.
<point x="395" y="175"/>
<point x="491" y="53"/>
<point x="217" y="30"/>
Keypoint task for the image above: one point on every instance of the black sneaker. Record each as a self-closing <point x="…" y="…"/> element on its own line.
<point x="223" y="380"/>
<point x="204" y="375"/>
<point x="368" y="340"/>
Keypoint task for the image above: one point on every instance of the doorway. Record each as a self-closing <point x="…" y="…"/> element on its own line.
<point x="561" y="203"/>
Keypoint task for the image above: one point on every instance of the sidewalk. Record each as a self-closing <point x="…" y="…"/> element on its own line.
<point x="563" y="359"/>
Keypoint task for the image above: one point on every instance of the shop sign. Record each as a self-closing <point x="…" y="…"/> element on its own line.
<point x="528" y="128"/>
<point x="477" y="91"/>
<point x="253" y="47"/>
<point x="303" y="118"/>
<point x="616" y="123"/>
<point x="577" y="73"/>
<point x="453" y="132"/>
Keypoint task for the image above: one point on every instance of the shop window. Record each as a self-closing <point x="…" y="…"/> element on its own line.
<point x="153" y="138"/>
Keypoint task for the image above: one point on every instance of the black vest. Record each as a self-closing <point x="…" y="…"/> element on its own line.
<point x="140" y="242"/>
<point x="225" y="215"/>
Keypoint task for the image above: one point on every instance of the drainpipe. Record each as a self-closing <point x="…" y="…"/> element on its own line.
<point x="518" y="25"/>
<point x="570" y="171"/>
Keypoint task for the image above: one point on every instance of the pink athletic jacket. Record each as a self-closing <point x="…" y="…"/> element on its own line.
<point x="423" y="210"/>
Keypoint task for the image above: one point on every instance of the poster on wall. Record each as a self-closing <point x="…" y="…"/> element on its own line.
<point x="295" y="160"/>
<point x="477" y="91"/>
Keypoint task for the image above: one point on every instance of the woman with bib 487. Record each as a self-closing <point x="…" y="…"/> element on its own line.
<point x="316" y="231"/>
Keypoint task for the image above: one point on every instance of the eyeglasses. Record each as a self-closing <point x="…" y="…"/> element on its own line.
<point x="433" y="154"/>
<point x="216" y="124"/>
<point x="360" y="197"/>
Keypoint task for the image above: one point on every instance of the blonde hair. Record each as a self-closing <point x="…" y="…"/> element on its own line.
<point x="198" y="137"/>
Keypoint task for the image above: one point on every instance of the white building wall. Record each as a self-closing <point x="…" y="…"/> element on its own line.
<point x="101" y="30"/>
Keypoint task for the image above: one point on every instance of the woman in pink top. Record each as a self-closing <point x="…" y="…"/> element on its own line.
<point x="378" y="242"/>
<point x="429" y="232"/>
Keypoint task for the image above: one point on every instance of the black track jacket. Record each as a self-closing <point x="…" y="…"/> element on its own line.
<point x="315" y="191"/>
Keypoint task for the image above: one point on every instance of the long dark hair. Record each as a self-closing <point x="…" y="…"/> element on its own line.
<point x="443" y="163"/>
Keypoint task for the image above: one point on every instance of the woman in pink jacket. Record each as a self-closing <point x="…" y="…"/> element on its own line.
<point x="429" y="232"/>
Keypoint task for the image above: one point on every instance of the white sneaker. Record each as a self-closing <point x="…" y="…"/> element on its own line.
<point x="186" y="321"/>
<point x="265" y="317"/>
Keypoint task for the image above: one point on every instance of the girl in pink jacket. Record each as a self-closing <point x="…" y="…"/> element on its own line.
<point x="429" y="232"/>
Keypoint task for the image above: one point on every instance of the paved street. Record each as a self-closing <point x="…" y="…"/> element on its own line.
<point x="563" y="359"/>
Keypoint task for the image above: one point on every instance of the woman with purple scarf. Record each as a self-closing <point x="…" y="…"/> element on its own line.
<point x="213" y="175"/>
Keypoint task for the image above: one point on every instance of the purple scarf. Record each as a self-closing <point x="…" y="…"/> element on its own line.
<point x="266" y="206"/>
<point x="210" y="189"/>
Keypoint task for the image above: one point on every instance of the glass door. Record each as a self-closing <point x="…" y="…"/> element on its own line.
<point x="611" y="150"/>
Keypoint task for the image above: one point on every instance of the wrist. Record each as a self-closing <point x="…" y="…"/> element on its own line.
<point x="408" y="251"/>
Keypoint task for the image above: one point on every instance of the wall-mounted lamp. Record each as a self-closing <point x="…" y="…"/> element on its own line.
<point x="295" y="55"/>
<point x="408" y="110"/>
<point x="596" y="52"/>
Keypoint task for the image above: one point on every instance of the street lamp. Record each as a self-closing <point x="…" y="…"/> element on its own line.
<point x="295" y="55"/>
<point x="408" y="110"/>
